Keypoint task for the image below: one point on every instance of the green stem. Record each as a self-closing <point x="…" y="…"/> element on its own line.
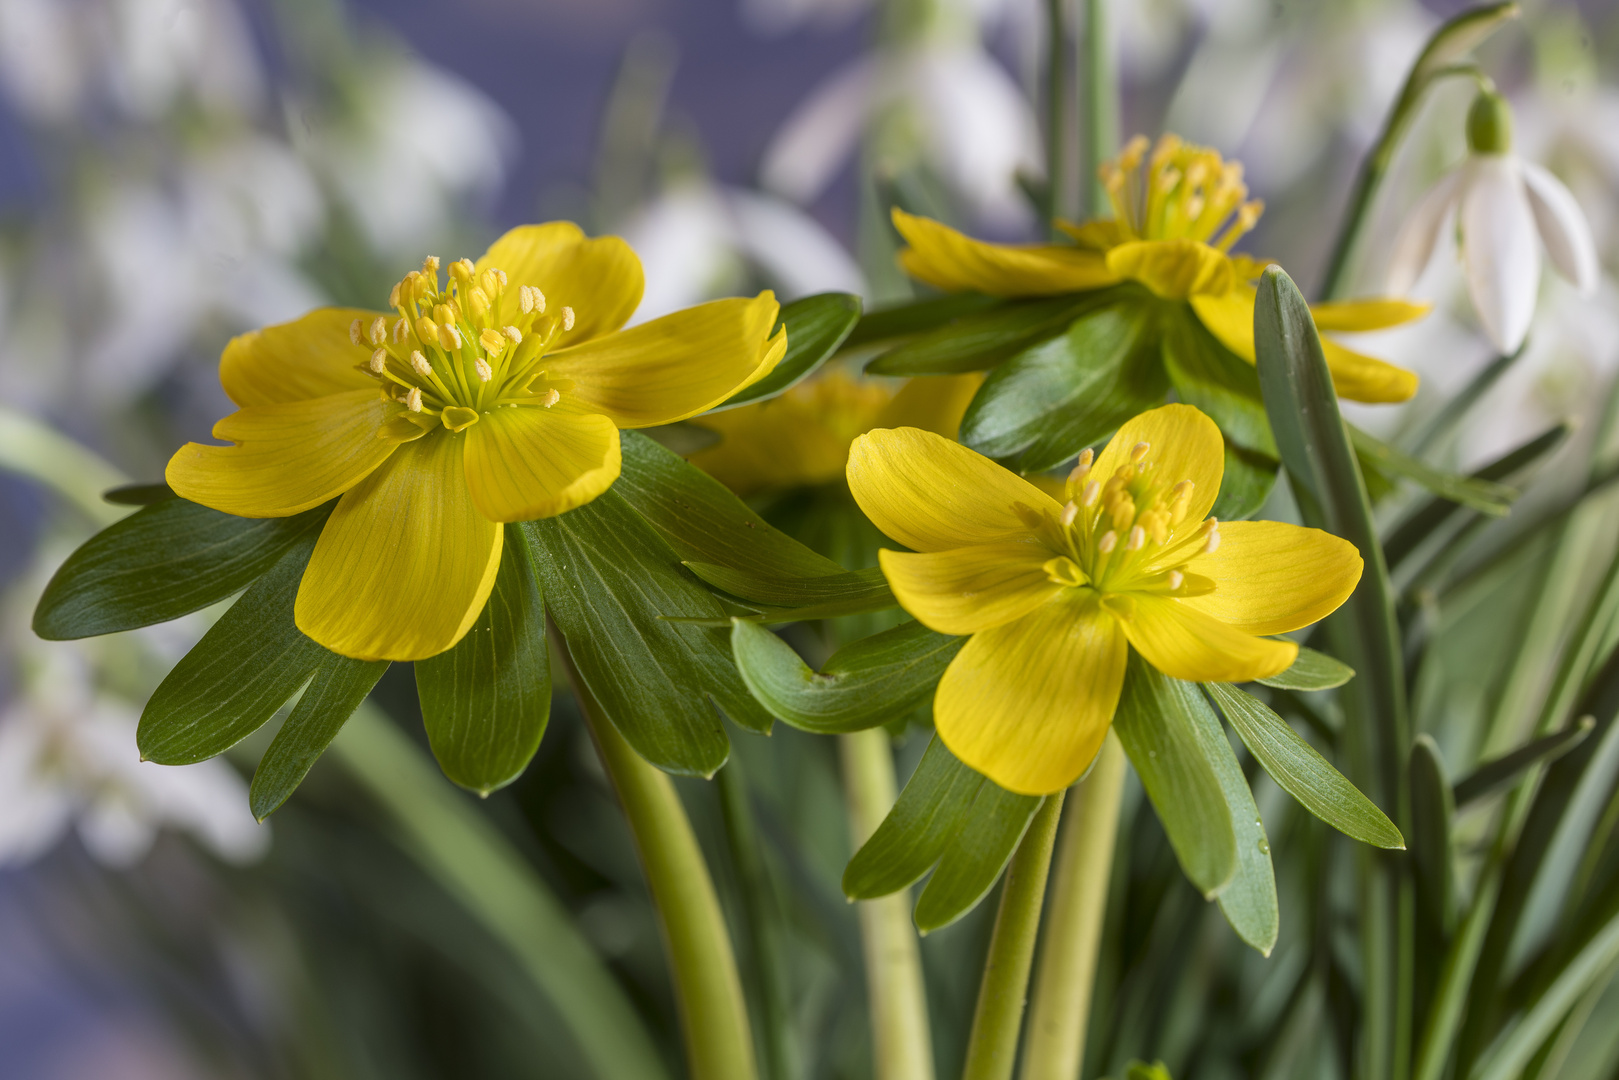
<point x="992" y="1047"/>
<point x="1065" y="982"/>
<point x="902" y="1045"/>
<point x="1101" y="103"/>
<point x="39" y="452"/>
<point x="1056" y="112"/>
<point x="469" y="857"/>
<point x="762" y="916"/>
<point x="713" y="1014"/>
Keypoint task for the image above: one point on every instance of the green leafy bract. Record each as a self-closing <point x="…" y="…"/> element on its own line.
<point x="816" y="327"/>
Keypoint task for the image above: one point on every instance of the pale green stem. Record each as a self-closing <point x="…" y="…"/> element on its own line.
<point x="1101" y="103"/>
<point x="902" y="1048"/>
<point x="32" y="448"/>
<point x="1054" y="1048"/>
<point x="992" y="1047"/>
<point x="1056" y="112"/>
<point x="713" y="1014"/>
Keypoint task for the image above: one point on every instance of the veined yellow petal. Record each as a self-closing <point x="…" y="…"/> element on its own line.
<point x="797" y="440"/>
<point x="1185" y="445"/>
<point x="1359" y="377"/>
<point x="1174" y="269"/>
<point x="1028" y="703"/>
<point x="948" y="260"/>
<point x="931" y="494"/>
<point x="677" y="366"/>
<point x="933" y="403"/>
<point x="528" y="463"/>
<point x="289" y="456"/>
<point x="973" y="588"/>
<point x="1270" y="577"/>
<point x="307" y="358"/>
<point x="1229" y="316"/>
<point x="405" y="563"/>
<point x="1184" y="643"/>
<point x="1377" y="313"/>
<point x="600" y="279"/>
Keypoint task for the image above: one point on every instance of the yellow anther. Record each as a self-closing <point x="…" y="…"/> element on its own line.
<point x="1083" y="467"/>
<point x="551" y="398"/>
<point x="1069" y="513"/>
<point x="1183" y="490"/>
<point x="419" y="364"/>
<point x="1138" y="539"/>
<point x="485" y="372"/>
<point x="1109" y="541"/>
<point x="531" y="300"/>
<point x="515" y="334"/>
<point x="1134" y="150"/>
<point x="413" y="400"/>
<point x="427" y="330"/>
<point x="379" y="361"/>
<point x="393" y="296"/>
<point x="1092" y="491"/>
<point x="430" y="267"/>
<point x="480" y="303"/>
<point x="443" y="314"/>
<point x="567" y="318"/>
<point x="356" y="329"/>
<point x="492" y="282"/>
<point x="1176" y="578"/>
<point x="493" y="341"/>
<point x="401" y="328"/>
<point x="449" y="337"/>
<point x="379" y="330"/>
<point x="461" y="270"/>
<point x="1212" y="544"/>
<point x="1138" y="452"/>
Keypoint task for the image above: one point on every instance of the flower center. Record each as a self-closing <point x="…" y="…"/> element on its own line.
<point x="1185" y="192"/>
<point x="458" y="352"/>
<point x="1130" y="533"/>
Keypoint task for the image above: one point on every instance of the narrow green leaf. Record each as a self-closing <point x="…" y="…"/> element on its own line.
<point x="872" y="681"/>
<point x="485" y="702"/>
<point x="138" y="494"/>
<point x="973" y="860"/>
<point x="338" y="687"/>
<point x="166" y="560"/>
<point x="1485" y="496"/>
<point x="1458" y="37"/>
<point x="1312" y="671"/>
<point x="1433" y="809"/>
<point x="245" y="667"/>
<point x="1303" y="773"/>
<point x="1160" y="736"/>
<point x="849" y="593"/>
<point x="1207" y="374"/>
<point x="917" y="317"/>
<point x="816" y="327"/>
<point x="1247" y="483"/>
<point x="983" y="339"/>
<point x="924" y="819"/>
<point x="1054" y="399"/>
<point x="1497" y="773"/>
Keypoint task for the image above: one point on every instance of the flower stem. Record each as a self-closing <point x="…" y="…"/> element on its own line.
<point x="992" y="1047"/>
<point x="1101" y="104"/>
<point x="1056" y="112"/>
<point x="713" y="1014"/>
<point x="902" y="1045"/>
<point x="1055" y="1045"/>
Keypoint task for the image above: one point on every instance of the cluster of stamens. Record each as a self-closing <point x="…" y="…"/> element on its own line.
<point x="1185" y="191"/>
<point x="456" y="352"/>
<point x="1129" y="532"/>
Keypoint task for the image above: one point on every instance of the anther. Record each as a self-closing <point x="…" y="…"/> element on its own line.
<point x="427" y="330"/>
<point x="413" y="400"/>
<point x="485" y="372"/>
<point x="419" y="364"/>
<point x="443" y="314"/>
<point x="1138" y="453"/>
<point x="379" y="360"/>
<point x="1212" y="544"/>
<point x="480" y="303"/>
<point x="1089" y="496"/>
<point x="1138" y="539"/>
<point x="1083" y="467"/>
<point x="1176" y="578"/>
<point x="401" y="328"/>
<point x="493" y="342"/>
<point x="449" y="337"/>
<point x="461" y="270"/>
<point x="1069" y="513"/>
<point x="379" y="330"/>
<point x="491" y="282"/>
<point x="531" y="300"/>
<point x="356" y="329"/>
<point x="515" y="334"/>
<point x="567" y="318"/>
<point x="430" y="267"/>
<point x="551" y="398"/>
<point x="1109" y="541"/>
<point x="393" y="296"/>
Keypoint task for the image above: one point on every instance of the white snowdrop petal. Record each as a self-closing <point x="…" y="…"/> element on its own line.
<point x="809" y="149"/>
<point x="1500" y="249"/>
<point x="1413" y="247"/>
<point x="1563" y="227"/>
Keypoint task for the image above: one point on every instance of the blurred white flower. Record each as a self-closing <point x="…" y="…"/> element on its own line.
<point x="1502" y="205"/>
<point x="68" y="760"/>
<point x="696" y="238"/>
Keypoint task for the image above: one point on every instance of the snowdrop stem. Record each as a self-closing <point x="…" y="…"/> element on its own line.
<point x="1100" y="103"/>
<point x="1056" y="190"/>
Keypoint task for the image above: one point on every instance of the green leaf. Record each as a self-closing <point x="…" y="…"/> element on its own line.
<point x="1312" y="671"/>
<point x="922" y="822"/>
<point x="1249" y="901"/>
<point x="138" y="494"/>
<point x="338" y="687"/>
<point x="973" y="860"/>
<point x="1160" y="735"/>
<point x="983" y="339"/>
<point x="1485" y="496"/>
<point x="1498" y="772"/>
<point x="1456" y="38"/>
<point x="485" y="702"/>
<point x="608" y="581"/>
<point x="245" y="667"/>
<point x="917" y="317"/>
<point x="816" y="327"/>
<point x="1051" y="401"/>
<point x="167" y="560"/>
<point x="1303" y="773"/>
<point x="1247" y="483"/>
<point x="850" y="593"/>
<point x="1433" y="810"/>
<point x="872" y="681"/>
<point x="1226" y="387"/>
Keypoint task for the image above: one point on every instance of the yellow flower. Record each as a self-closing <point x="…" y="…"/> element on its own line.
<point x="1054" y="595"/>
<point x="494" y="397"/>
<point x="1173" y="227"/>
<point x="801" y="439"/>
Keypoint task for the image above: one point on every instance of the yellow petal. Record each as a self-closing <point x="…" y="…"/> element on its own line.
<point x="933" y="403"/>
<point x="289" y="456"/>
<point x="528" y="463"/>
<point x="1270" y="577"/>
<point x="677" y="366"/>
<point x="1184" y="643"/>
<point x="1174" y="269"/>
<point x="971" y="588"/>
<point x="405" y="563"/>
<point x="307" y="358"/>
<point x="799" y="439"/>
<point x="600" y="279"/>
<point x="948" y="260"/>
<point x="1185" y="445"/>
<point x="1028" y="703"/>
<point x="1359" y="377"/>
<point x="1229" y="316"/>
<point x="1097" y="234"/>
<point x="932" y="494"/>
<point x="1374" y="314"/>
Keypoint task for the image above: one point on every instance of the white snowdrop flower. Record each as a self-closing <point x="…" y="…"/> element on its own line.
<point x="1502" y="204"/>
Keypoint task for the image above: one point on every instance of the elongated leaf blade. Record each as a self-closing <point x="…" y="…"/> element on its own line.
<point x="1312" y="671"/>
<point x="924" y="819"/>
<point x="816" y="326"/>
<point x="1207" y="374"/>
<point x="166" y="560"/>
<point x="1301" y="772"/>
<point x="1155" y="723"/>
<point x="983" y="339"/>
<point x="973" y="860"/>
<point x="1497" y="773"/>
<point x="840" y="594"/>
<point x="872" y="681"/>
<point x="1485" y="496"/>
<point x="917" y="317"/>
<point x="1433" y="811"/>
<point x="338" y="687"/>
<point x="138" y="494"/>
<point x="486" y="702"/>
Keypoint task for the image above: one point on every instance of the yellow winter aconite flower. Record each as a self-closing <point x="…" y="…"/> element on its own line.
<point x="1054" y="595"/>
<point x="494" y="396"/>
<point x="1177" y="214"/>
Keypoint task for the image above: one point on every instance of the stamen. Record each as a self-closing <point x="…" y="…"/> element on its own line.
<point x="419" y="364"/>
<point x="1089" y="496"/>
<point x="430" y="267"/>
<point x="1212" y="544"/>
<point x="515" y="334"/>
<point x="401" y="328"/>
<point x="493" y="341"/>
<point x="413" y="400"/>
<point x="427" y="330"/>
<point x="1109" y="541"/>
<point x="1069" y="513"/>
<point x="461" y="270"/>
<point x="1138" y="539"/>
<point x="551" y="398"/>
<point x="492" y="282"/>
<point x="356" y="329"/>
<point x="443" y="314"/>
<point x="393" y="295"/>
<point x="480" y="303"/>
<point x="485" y="372"/>
<point x="379" y="360"/>
<point x="1176" y="578"/>
<point x="379" y="330"/>
<point x="1138" y="453"/>
<point x="567" y="318"/>
<point x="531" y="300"/>
<point x="449" y="337"/>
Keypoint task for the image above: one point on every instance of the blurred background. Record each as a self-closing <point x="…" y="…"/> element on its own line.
<point x="173" y="172"/>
